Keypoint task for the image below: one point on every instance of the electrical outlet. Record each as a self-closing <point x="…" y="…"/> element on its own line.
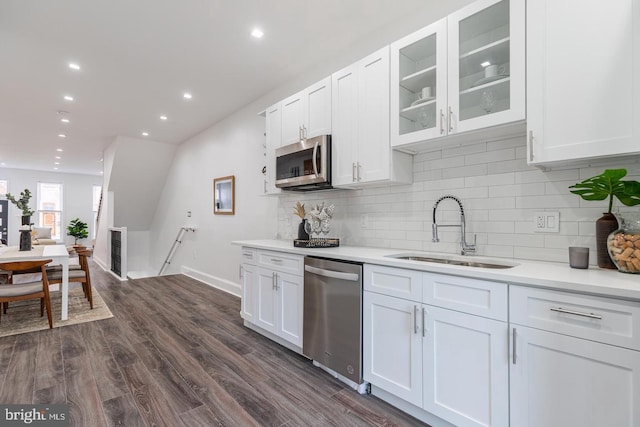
<point x="546" y="222"/>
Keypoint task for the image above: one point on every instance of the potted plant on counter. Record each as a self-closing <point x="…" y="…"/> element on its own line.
<point x="608" y="184"/>
<point x="23" y="204"/>
<point x="78" y="230"/>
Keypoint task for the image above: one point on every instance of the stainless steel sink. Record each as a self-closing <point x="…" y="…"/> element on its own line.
<point x="453" y="261"/>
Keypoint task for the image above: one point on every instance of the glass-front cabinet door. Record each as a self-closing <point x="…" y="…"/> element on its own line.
<point x="419" y="84"/>
<point x="486" y="64"/>
<point x="462" y="73"/>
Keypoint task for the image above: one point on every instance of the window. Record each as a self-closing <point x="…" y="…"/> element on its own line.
<point x="97" y="195"/>
<point x="4" y="187"/>
<point x="49" y="210"/>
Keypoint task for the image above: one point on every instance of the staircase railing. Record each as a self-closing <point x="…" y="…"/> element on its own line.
<point x="174" y="247"/>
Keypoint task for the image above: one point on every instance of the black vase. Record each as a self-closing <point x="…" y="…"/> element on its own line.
<point x="25" y="240"/>
<point x="26" y="219"/>
<point x="605" y="225"/>
<point x="302" y="233"/>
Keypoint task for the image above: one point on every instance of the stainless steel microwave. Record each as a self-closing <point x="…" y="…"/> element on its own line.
<point x="305" y="165"/>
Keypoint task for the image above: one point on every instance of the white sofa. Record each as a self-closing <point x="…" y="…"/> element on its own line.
<point x="42" y="236"/>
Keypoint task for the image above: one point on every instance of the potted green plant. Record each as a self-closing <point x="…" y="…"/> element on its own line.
<point x="78" y="230"/>
<point x="608" y="184"/>
<point x="23" y="204"/>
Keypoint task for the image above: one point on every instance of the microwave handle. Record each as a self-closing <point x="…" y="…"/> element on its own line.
<point x="315" y="163"/>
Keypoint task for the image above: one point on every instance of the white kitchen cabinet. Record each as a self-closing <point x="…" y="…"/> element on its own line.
<point x="449" y="59"/>
<point x="273" y="292"/>
<point x="392" y="346"/>
<point x="569" y="365"/>
<point x="361" y="149"/>
<point x="583" y="84"/>
<point x="560" y="381"/>
<point x="465" y="368"/>
<point x="273" y="117"/>
<point x="307" y="113"/>
<point x="452" y="364"/>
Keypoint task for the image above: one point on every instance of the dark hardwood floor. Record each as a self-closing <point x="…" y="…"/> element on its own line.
<point x="176" y="354"/>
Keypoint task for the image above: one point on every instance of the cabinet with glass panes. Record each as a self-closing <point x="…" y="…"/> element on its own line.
<point x="462" y="73"/>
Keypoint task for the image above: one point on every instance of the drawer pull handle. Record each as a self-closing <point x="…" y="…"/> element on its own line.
<point x="576" y="313"/>
<point x="247" y="254"/>
<point x="276" y="260"/>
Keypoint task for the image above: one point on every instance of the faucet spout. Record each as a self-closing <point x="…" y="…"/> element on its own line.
<point x="464" y="246"/>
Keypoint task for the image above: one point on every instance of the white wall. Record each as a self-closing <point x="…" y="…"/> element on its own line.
<point x="500" y="194"/>
<point x="233" y="147"/>
<point x="77" y="197"/>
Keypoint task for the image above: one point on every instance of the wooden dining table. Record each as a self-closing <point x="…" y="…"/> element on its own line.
<point x="57" y="253"/>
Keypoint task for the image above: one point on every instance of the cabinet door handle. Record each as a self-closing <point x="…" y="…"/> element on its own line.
<point x="441" y="121"/>
<point x="531" y="146"/>
<point x="358" y="169"/>
<point x="300" y="134"/>
<point x="273" y="281"/>
<point x="423" y="324"/>
<point x="415" y="319"/>
<point x="450" y="120"/>
<point x="353" y="171"/>
<point x="240" y="272"/>
<point x="513" y="345"/>
<point x="576" y="313"/>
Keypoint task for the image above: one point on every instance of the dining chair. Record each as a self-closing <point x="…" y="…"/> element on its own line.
<point x="31" y="290"/>
<point x="80" y="275"/>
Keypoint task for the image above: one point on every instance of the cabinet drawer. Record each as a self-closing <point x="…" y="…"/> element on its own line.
<point x="600" y="319"/>
<point x="479" y="297"/>
<point x="249" y="255"/>
<point x="279" y="261"/>
<point x="396" y="282"/>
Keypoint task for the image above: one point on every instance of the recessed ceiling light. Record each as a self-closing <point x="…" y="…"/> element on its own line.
<point x="64" y="120"/>
<point x="145" y="133"/>
<point x="56" y="163"/>
<point x="163" y="117"/>
<point x="58" y="157"/>
<point x="68" y="98"/>
<point x="60" y="150"/>
<point x="55" y="169"/>
<point x="74" y="66"/>
<point x="257" y="33"/>
<point x="485" y="64"/>
<point x="101" y="172"/>
<point x="3" y="164"/>
<point x="187" y="95"/>
<point x="62" y="135"/>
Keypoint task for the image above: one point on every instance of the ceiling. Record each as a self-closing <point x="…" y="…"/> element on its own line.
<point x="137" y="58"/>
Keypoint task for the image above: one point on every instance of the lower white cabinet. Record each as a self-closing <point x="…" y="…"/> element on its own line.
<point x="451" y="364"/>
<point x="465" y="368"/>
<point x="272" y="298"/>
<point x="392" y="346"/>
<point x="562" y="380"/>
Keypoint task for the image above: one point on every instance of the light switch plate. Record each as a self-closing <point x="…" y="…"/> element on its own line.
<point x="546" y="222"/>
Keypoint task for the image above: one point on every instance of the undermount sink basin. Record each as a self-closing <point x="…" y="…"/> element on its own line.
<point x="454" y="261"/>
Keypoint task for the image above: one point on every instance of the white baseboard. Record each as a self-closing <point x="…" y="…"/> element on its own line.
<point x="410" y="409"/>
<point x="216" y="282"/>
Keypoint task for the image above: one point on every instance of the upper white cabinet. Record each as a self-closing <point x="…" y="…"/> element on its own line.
<point x="583" y="79"/>
<point x="462" y="73"/>
<point x="307" y="113"/>
<point x="361" y="150"/>
<point x="273" y="116"/>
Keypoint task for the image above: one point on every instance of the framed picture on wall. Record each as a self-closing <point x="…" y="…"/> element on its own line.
<point x="224" y="195"/>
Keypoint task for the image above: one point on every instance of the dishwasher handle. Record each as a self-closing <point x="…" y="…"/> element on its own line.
<point x="333" y="274"/>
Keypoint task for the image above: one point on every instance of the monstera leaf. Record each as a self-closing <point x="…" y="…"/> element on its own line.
<point x="609" y="184"/>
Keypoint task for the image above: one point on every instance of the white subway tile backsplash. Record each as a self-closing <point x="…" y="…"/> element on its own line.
<point x="500" y="193"/>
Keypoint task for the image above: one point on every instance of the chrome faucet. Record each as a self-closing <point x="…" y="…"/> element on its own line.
<point x="464" y="247"/>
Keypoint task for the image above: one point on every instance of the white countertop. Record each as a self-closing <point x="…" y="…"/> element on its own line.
<point x="552" y="275"/>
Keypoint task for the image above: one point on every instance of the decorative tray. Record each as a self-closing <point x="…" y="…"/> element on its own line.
<point x="317" y="243"/>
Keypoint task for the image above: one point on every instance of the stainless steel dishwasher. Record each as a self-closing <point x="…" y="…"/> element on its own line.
<point x="332" y="331"/>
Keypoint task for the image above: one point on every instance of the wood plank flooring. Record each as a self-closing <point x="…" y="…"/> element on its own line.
<point x="176" y="354"/>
